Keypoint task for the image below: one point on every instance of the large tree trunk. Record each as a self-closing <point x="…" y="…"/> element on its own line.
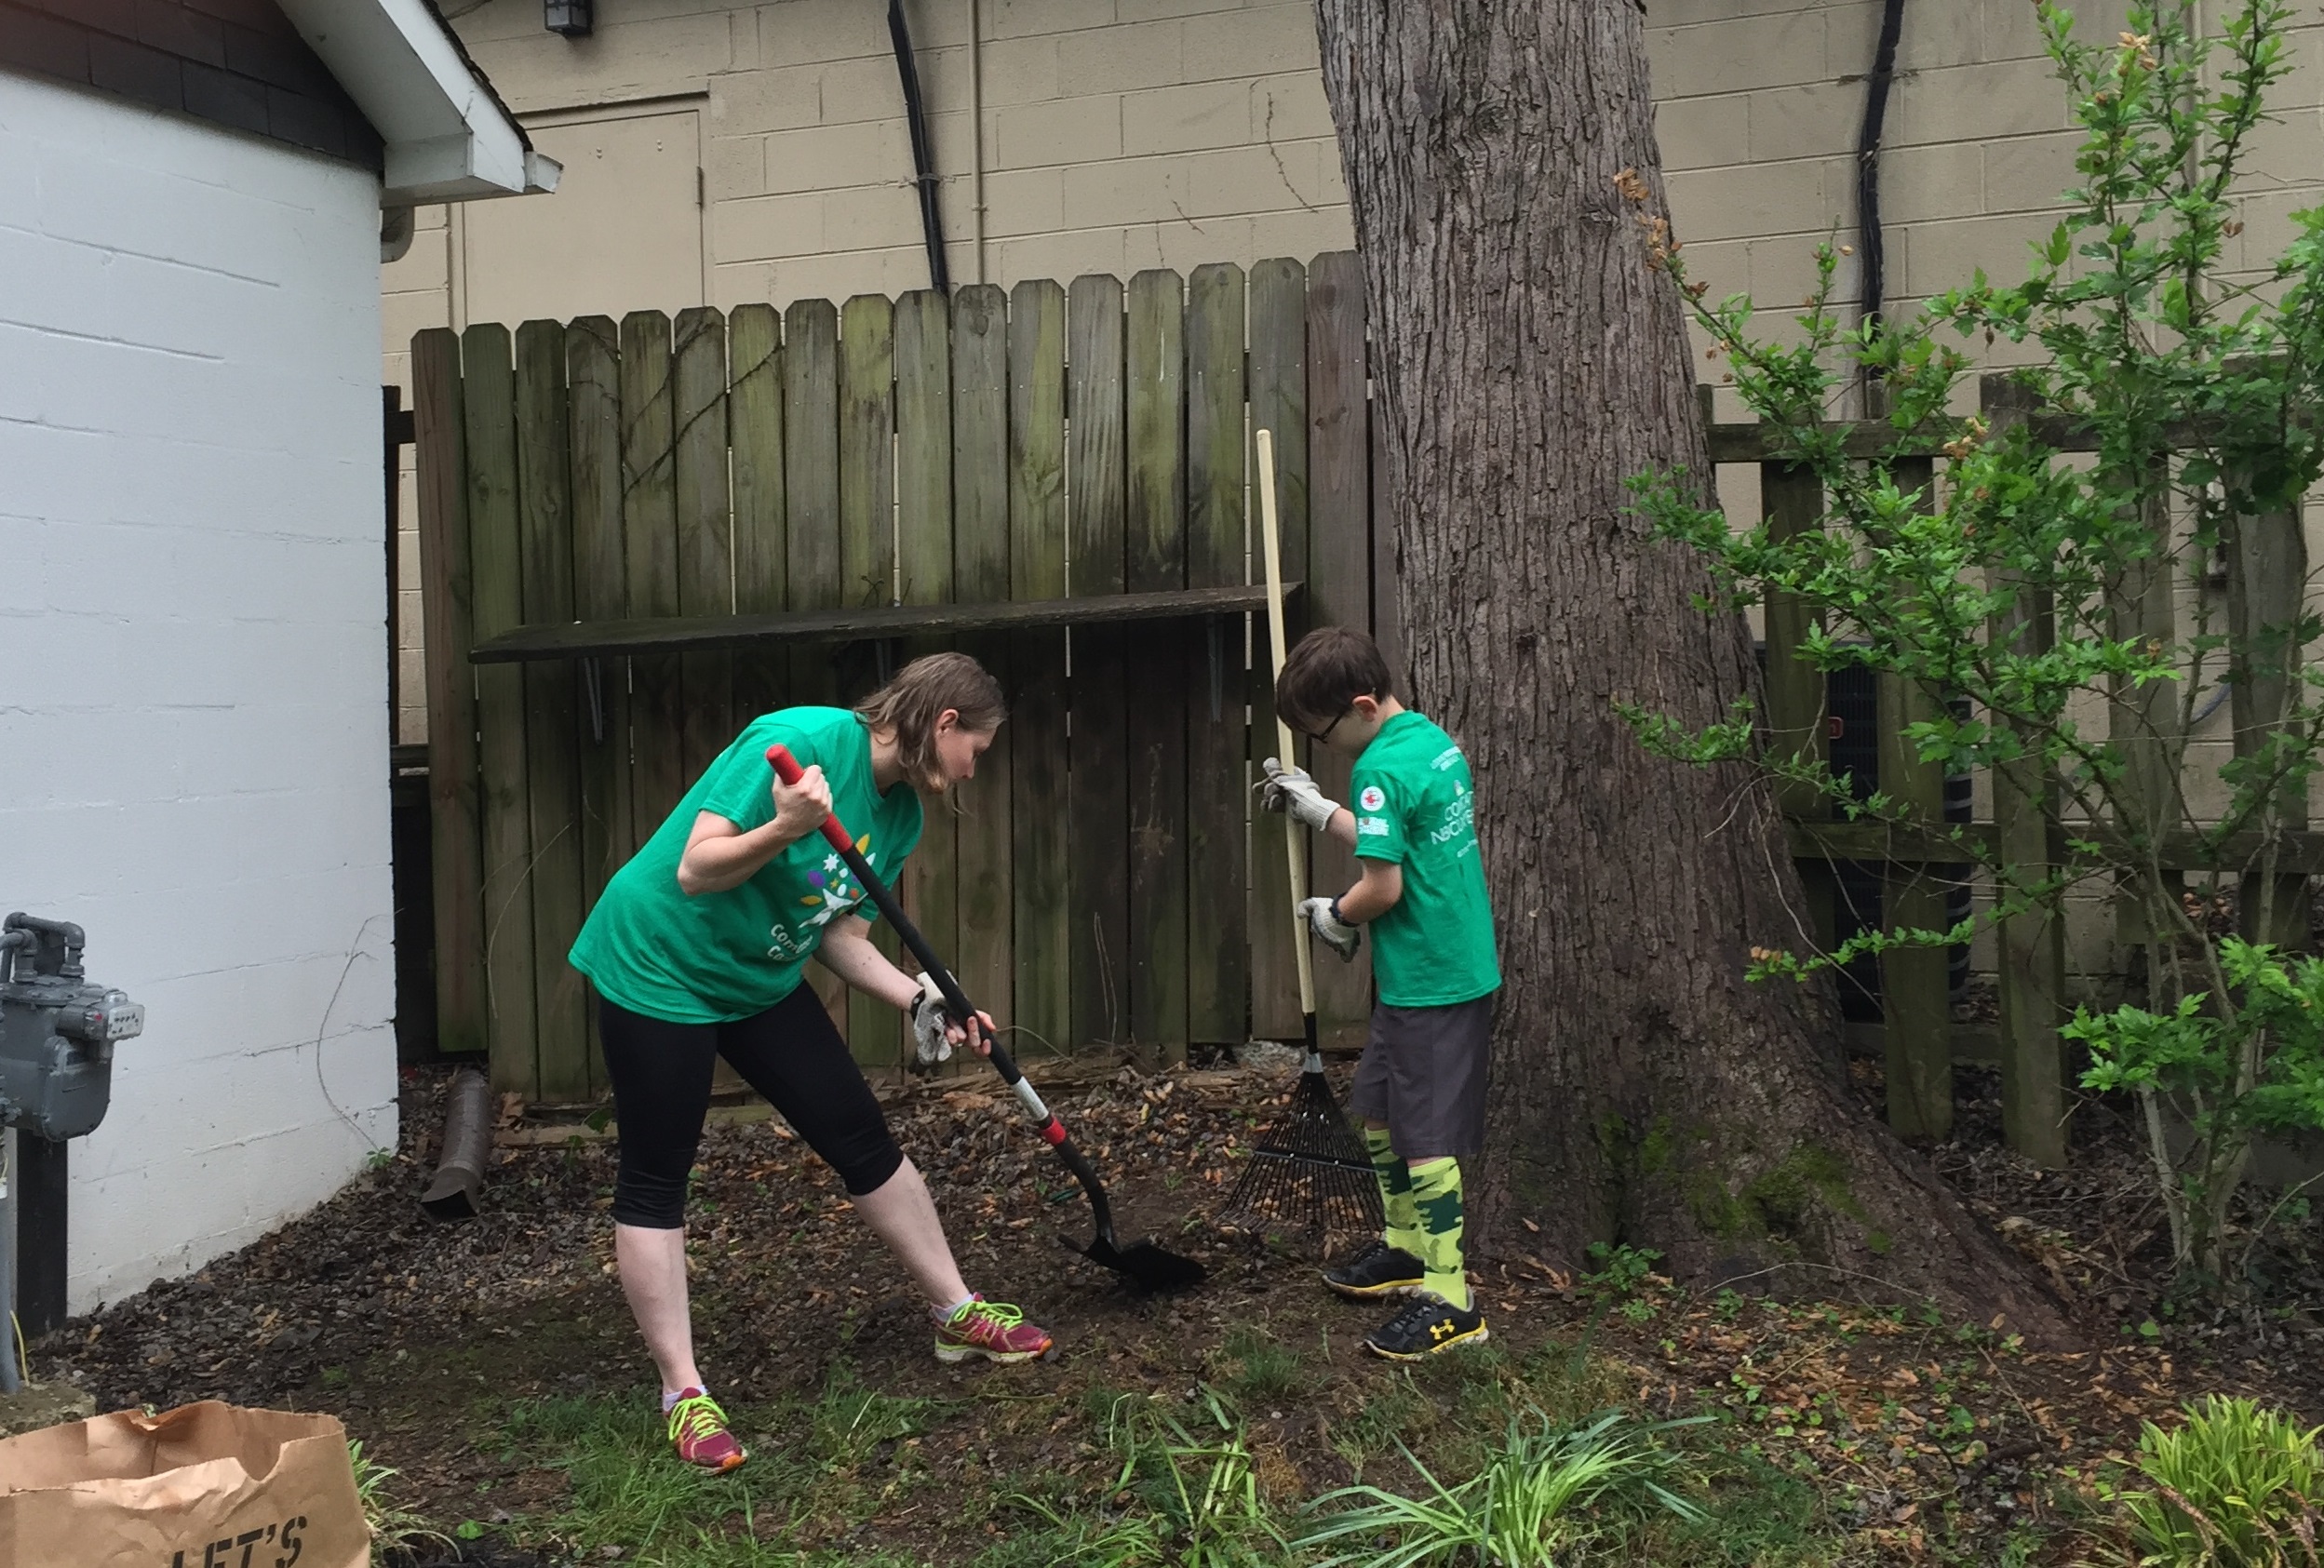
<point x="1530" y="357"/>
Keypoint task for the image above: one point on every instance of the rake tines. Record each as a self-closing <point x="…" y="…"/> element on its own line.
<point x="1309" y="1171"/>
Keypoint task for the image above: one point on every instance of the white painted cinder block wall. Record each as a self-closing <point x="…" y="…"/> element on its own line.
<point x="193" y="657"/>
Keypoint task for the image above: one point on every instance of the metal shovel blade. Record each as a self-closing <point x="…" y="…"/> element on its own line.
<point x="1147" y="1266"/>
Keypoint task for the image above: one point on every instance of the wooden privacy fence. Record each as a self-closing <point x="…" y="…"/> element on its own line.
<point x="637" y="535"/>
<point x="2266" y="565"/>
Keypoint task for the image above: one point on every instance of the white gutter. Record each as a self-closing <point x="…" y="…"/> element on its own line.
<point x="448" y="138"/>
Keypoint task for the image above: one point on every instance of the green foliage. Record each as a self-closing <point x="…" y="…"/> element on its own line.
<point x="2233" y="1487"/>
<point x="2006" y="597"/>
<point x="1622" y="1270"/>
<point x="1195" y="1494"/>
<point x="2224" y="1074"/>
<point x="1547" y="1489"/>
<point x="392" y="1524"/>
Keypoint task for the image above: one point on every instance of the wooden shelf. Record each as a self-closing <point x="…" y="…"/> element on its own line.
<point x="703" y="634"/>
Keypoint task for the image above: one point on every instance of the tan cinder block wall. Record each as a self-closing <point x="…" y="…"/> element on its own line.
<point x="1115" y="135"/>
<point x="1758" y="107"/>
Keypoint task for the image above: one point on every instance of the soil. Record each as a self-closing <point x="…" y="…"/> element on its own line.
<point x="414" y="1332"/>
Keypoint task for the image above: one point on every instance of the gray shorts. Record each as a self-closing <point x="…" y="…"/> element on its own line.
<point x="1423" y="1073"/>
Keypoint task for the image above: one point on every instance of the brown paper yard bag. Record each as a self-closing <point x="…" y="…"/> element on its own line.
<point x="206" y="1485"/>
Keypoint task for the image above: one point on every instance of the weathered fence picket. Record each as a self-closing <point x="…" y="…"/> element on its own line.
<point x="1155" y="671"/>
<point x="1278" y="402"/>
<point x="1090" y="440"/>
<point x="1218" y="952"/>
<point x="456" y="856"/>
<point x="552" y="739"/>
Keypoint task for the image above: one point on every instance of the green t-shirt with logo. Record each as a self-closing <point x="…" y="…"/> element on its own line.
<point x="1414" y="805"/>
<point x="717" y="957"/>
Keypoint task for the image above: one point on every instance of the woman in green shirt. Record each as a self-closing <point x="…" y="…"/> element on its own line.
<point x="697" y="949"/>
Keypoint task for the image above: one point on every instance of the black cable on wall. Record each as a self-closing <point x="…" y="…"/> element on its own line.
<point x="1868" y="162"/>
<point x="923" y="175"/>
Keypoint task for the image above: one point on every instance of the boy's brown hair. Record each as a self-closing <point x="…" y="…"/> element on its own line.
<point x="1329" y="669"/>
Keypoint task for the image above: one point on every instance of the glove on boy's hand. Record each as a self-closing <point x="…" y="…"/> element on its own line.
<point x="1322" y="917"/>
<point x="929" y="1022"/>
<point x="1290" y="789"/>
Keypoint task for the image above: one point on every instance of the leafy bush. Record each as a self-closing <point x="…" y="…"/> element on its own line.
<point x="2021" y="586"/>
<point x="2233" y="1487"/>
<point x="2225" y="1072"/>
<point x="1545" y="1489"/>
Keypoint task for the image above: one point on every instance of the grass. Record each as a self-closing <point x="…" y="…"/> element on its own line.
<point x="624" y="1491"/>
<point x="393" y="1526"/>
<point x="1486" y="1457"/>
<point x="1188" y="1492"/>
<point x="1544" y="1488"/>
<point x="1255" y="1367"/>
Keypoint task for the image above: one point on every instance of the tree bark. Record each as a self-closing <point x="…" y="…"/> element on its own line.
<point x="1530" y="356"/>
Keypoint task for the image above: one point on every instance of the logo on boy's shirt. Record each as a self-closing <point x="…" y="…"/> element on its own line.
<point x="1367" y="825"/>
<point x="1460" y="817"/>
<point x="1444" y="759"/>
<point x="1373" y="798"/>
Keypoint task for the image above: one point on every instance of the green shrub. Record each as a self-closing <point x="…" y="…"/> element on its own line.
<point x="2235" y="1487"/>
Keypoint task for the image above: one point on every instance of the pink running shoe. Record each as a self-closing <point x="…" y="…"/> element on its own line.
<point x="988" y="1329"/>
<point x="698" y="1432"/>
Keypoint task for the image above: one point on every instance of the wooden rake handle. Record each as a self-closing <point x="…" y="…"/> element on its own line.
<point x="1295" y="845"/>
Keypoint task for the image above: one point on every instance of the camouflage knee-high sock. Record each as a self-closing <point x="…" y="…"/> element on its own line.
<point x="1404" y="1217"/>
<point x="1436" y="1193"/>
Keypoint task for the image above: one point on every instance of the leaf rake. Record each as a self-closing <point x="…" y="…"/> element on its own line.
<point x="1310" y="1172"/>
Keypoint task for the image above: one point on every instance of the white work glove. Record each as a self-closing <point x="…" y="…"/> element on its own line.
<point x="1290" y="789"/>
<point x="929" y="1023"/>
<point x="1322" y="917"/>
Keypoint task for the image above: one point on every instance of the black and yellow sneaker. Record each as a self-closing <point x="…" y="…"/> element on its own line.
<point x="1379" y="1269"/>
<point x="1426" y="1327"/>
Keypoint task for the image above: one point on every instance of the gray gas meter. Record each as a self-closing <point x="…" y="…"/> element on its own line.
<point x="57" y="1031"/>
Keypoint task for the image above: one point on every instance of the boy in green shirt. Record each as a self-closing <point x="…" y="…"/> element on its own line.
<point x="1419" y="1089"/>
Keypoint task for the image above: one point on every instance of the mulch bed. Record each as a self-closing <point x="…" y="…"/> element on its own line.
<point x="1917" y="1432"/>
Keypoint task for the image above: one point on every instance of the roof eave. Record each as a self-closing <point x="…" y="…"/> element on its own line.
<point x="448" y="137"/>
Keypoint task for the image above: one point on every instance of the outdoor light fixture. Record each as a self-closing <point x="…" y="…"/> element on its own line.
<point x="572" y="17"/>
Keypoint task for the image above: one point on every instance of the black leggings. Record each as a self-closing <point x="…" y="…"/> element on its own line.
<point x="791" y="1054"/>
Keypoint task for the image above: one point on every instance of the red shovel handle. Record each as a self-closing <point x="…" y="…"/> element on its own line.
<point x="786" y="768"/>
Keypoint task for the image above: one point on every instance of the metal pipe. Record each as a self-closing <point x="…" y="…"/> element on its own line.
<point x="10" y="1382"/>
<point x="67" y="935"/>
<point x="40" y="1184"/>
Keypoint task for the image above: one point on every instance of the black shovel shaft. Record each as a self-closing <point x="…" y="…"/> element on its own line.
<point x="956" y="1002"/>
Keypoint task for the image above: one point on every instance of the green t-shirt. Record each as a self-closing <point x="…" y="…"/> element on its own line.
<point x="1414" y="805"/>
<point x="717" y="957"/>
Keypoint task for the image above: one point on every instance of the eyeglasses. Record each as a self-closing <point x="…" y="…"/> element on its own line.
<point x="1324" y="738"/>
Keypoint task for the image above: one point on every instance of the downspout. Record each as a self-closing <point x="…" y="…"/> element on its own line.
<point x="1868" y="232"/>
<point x="923" y="176"/>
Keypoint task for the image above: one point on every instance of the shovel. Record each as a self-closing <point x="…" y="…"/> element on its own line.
<point x="1142" y="1263"/>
